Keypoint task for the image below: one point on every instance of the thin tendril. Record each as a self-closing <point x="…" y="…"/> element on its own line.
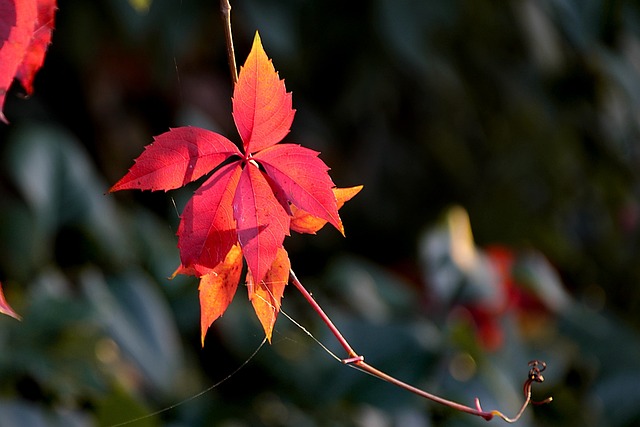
<point x="349" y="362"/>
<point x="324" y="347"/>
<point x="292" y="320"/>
<point x="195" y="396"/>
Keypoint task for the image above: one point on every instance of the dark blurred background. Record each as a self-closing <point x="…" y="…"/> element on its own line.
<point x="498" y="144"/>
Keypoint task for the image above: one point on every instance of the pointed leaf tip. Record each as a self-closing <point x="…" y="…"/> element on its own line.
<point x="5" y="308"/>
<point x="262" y="107"/>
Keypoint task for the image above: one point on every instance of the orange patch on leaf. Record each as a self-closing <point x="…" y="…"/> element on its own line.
<point x="218" y="288"/>
<point x="265" y="295"/>
<point x="304" y="222"/>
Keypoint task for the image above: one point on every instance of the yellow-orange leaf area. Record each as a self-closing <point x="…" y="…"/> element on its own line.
<point x="265" y="296"/>
<point x="218" y="288"/>
<point x="304" y="222"/>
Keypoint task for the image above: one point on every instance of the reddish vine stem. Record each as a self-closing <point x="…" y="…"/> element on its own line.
<point x="225" y="9"/>
<point x="358" y="362"/>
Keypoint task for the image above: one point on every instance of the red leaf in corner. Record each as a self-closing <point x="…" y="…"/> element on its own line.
<point x="25" y="33"/>
<point x="40" y="41"/>
<point x="17" y="21"/>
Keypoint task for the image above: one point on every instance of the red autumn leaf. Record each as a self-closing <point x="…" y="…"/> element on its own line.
<point x="25" y="34"/>
<point x="250" y="197"/>
<point x="5" y="308"/>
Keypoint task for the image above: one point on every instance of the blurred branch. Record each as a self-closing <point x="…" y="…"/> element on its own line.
<point x="357" y="361"/>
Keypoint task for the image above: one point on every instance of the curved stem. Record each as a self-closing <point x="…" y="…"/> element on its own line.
<point x="357" y="361"/>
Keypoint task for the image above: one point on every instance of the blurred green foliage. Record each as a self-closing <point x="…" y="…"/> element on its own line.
<point x="523" y="112"/>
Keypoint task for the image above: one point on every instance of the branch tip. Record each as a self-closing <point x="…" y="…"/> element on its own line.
<point x="225" y="10"/>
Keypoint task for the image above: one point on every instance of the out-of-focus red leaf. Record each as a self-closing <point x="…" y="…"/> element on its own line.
<point x="176" y="158"/>
<point x="40" y="41"/>
<point x="261" y="220"/>
<point x="265" y="295"/>
<point x="207" y="229"/>
<point x="304" y="222"/>
<point x="261" y="104"/>
<point x="303" y="178"/>
<point x="5" y="308"/>
<point x="218" y="287"/>
<point x="513" y="298"/>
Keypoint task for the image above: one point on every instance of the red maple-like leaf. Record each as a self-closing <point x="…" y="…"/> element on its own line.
<point x="25" y="34"/>
<point x="251" y="200"/>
